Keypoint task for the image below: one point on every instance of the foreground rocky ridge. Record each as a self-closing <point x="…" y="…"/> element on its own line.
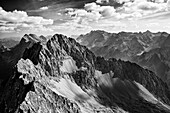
<point x="61" y="76"/>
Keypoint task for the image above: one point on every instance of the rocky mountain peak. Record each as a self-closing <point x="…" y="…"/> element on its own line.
<point x="33" y="38"/>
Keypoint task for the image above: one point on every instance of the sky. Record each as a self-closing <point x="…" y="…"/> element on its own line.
<point x="75" y="17"/>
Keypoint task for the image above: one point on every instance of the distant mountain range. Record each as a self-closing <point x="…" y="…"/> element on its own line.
<point x="150" y="50"/>
<point x="8" y="42"/>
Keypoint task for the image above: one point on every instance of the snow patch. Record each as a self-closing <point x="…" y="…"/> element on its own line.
<point x="140" y="53"/>
<point x="143" y="92"/>
<point x="26" y="38"/>
<point x="104" y="79"/>
<point x="83" y="68"/>
<point x="149" y="97"/>
<point x="72" y="91"/>
<point x="67" y="89"/>
<point x="68" y="65"/>
<point x="98" y="74"/>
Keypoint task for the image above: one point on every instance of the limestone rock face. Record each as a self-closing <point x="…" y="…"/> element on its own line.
<point x="62" y="76"/>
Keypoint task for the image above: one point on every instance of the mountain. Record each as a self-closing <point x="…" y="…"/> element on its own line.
<point x="123" y="45"/>
<point x="158" y="61"/>
<point x="60" y="75"/>
<point x="149" y="50"/>
<point x="10" y="57"/>
<point x="8" y="42"/>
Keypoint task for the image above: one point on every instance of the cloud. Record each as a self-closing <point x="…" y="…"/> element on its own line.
<point x="144" y="5"/>
<point x="6" y="29"/>
<point x="103" y="10"/>
<point x="129" y="10"/>
<point x="91" y="12"/>
<point x="112" y="1"/>
<point x="102" y="1"/>
<point x="159" y="1"/>
<point x="140" y="8"/>
<point x="103" y="15"/>
<point x="168" y="4"/>
<point x="44" y="8"/>
<point x="19" y="19"/>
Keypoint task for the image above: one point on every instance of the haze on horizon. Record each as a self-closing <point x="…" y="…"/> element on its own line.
<point x="75" y="17"/>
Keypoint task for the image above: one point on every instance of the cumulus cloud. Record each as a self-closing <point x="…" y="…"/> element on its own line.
<point x="102" y="1"/>
<point x="129" y="10"/>
<point x="159" y="1"/>
<point x="6" y="29"/>
<point x="168" y="4"/>
<point x="20" y="19"/>
<point x="91" y="12"/>
<point x="97" y="15"/>
<point x="44" y="8"/>
<point x="112" y="1"/>
<point x="140" y="8"/>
